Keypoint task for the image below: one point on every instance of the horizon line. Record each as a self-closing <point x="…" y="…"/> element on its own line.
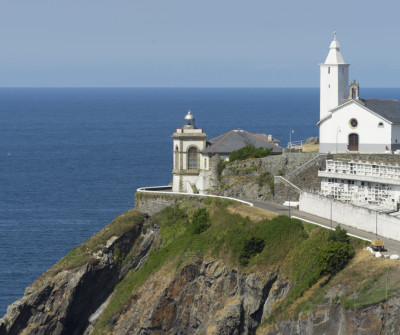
<point x="190" y="87"/>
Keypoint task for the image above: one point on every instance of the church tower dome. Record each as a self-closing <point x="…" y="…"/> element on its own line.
<point x="334" y="79"/>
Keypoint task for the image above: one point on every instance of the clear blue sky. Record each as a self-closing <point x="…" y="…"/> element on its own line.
<point x="188" y="43"/>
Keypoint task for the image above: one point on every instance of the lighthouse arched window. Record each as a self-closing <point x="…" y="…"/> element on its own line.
<point x="192" y="158"/>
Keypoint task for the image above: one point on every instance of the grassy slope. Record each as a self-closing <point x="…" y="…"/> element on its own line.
<point x="292" y="247"/>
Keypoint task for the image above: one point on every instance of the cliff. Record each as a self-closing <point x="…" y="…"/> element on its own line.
<point x="211" y="267"/>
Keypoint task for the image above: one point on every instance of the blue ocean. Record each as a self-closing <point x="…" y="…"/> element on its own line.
<point x="72" y="158"/>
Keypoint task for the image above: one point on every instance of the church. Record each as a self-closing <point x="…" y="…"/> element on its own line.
<point x="349" y="123"/>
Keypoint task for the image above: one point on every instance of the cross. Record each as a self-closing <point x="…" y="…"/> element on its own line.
<point x="334" y="35"/>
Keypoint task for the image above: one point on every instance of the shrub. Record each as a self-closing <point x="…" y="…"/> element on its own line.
<point x="220" y="168"/>
<point x="264" y="178"/>
<point x="339" y="235"/>
<point x="251" y="248"/>
<point x="334" y="256"/>
<point x="170" y="215"/>
<point x="249" y="151"/>
<point x="200" y="221"/>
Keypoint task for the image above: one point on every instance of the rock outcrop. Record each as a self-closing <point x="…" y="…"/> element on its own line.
<point x="189" y="295"/>
<point x="202" y="298"/>
<point x="62" y="303"/>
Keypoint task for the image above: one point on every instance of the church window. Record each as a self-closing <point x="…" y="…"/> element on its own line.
<point x="192" y="158"/>
<point x="353" y="123"/>
<point x="380" y="125"/>
<point x="329" y="69"/>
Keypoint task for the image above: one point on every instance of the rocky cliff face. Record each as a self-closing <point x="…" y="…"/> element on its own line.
<point x="334" y="319"/>
<point x="254" y="178"/>
<point x="61" y="302"/>
<point x="201" y="296"/>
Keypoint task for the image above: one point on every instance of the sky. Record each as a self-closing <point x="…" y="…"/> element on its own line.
<point x="176" y="43"/>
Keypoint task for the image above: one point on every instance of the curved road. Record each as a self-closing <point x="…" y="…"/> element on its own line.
<point x="391" y="246"/>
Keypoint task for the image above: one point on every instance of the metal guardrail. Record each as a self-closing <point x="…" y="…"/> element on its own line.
<point x="296" y="143"/>
<point x="162" y="190"/>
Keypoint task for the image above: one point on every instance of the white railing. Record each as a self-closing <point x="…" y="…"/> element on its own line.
<point x="294" y="144"/>
<point x="162" y="190"/>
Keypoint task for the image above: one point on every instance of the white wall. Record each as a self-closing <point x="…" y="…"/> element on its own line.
<point x="334" y="82"/>
<point x="371" y="137"/>
<point x="351" y="215"/>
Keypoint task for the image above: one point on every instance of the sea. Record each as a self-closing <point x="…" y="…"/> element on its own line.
<point x="71" y="159"/>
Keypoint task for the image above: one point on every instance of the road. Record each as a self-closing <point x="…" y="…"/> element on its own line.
<point x="391" y="246"/>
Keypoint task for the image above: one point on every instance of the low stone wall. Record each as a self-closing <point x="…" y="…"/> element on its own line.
<point x="351" y="215"/>
<point x="152" y="203"/>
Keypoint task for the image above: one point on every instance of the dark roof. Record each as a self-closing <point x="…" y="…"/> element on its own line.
<point x="388" y="109"/>
<point x="237" y="139"/>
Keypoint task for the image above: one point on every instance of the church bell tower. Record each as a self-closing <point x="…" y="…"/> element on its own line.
<point x="334" y="79"/>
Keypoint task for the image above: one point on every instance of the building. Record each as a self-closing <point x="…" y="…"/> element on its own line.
<point x="360" y="181"/>
<point x="225" y="144"/>
<point x="349" y="123"/>
<point x="188" y="162"/>
<point x="192" y="153"/>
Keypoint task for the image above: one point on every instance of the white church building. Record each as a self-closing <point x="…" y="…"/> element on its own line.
<point x="349" y="123"/>
<point x="369" y="129"/>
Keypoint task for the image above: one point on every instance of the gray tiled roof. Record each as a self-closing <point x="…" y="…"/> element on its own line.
<point x="388" y="109"/>
<point x="237" y="139"/>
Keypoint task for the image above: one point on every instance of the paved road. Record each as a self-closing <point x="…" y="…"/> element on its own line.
<point x="392" y="247"/>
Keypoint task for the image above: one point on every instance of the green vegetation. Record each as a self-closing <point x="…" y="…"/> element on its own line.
<point x="266" y="178"/>
<point x="200" y="221"/>
<point x="304" y="253"/>
<point x="118" y="257"/>
<point x="320" y="256"/>
<point x="251" y="248"/>
<point x="220" y="168"/>
<point x="83" y="253"/>
<point x="249" y="151"/>
<point x="214" y="231"/>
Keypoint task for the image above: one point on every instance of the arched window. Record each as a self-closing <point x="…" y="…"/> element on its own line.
<point x="192" y="158"/>
<point x="380" y="125"/>
<point x="176" y="154"/>
<point x="353" y="93"/>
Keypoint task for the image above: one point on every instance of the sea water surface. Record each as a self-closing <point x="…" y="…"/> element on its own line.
<point x="72" y="158"/>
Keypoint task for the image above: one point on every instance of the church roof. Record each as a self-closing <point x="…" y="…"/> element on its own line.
<point x="388" y="109"/>
<point x="237" y="139"/>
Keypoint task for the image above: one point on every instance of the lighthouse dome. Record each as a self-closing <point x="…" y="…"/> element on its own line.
<point x="189" y="120"/>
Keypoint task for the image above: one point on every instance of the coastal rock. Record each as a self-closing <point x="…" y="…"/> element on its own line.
<point x="61" y="303"/>
<point x="202" y="298"/>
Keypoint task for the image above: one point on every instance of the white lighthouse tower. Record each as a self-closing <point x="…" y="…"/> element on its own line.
<point x="334" y="79"/>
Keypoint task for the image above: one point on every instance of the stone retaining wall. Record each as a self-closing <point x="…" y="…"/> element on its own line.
<point x="351" y="215"/>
